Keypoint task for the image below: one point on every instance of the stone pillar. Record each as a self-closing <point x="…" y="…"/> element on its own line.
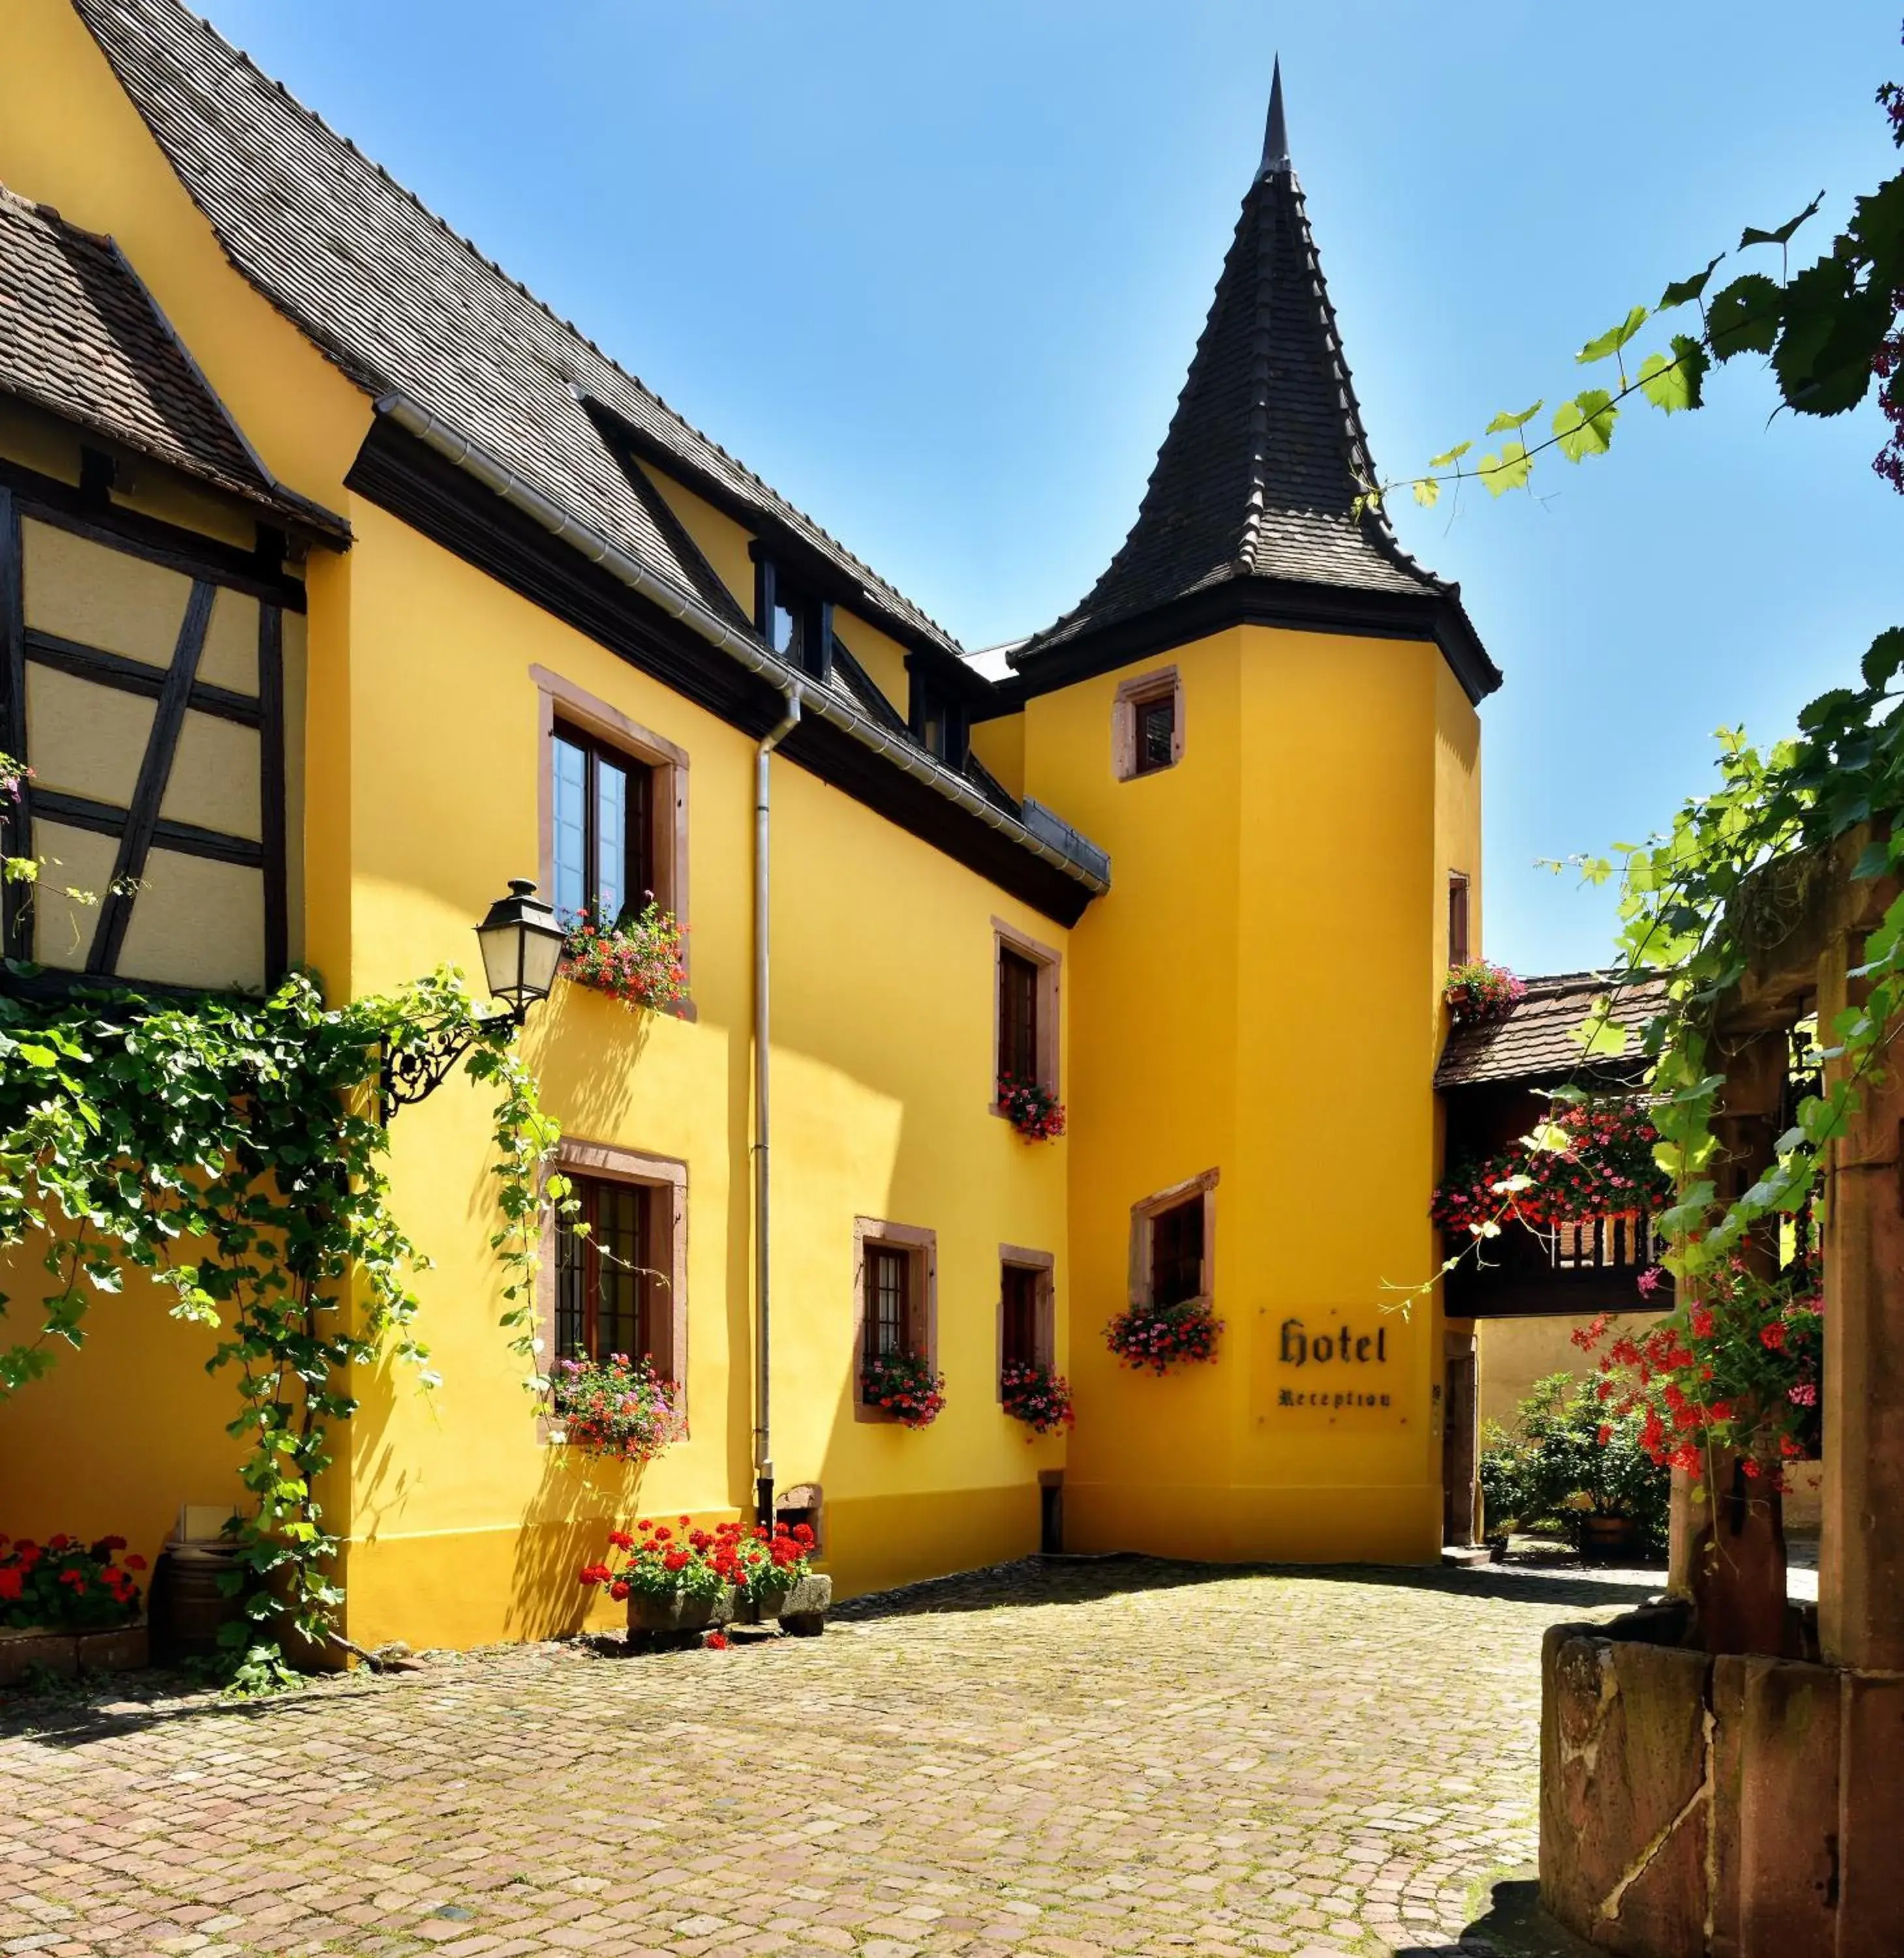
<point x="1861" y="1583"/>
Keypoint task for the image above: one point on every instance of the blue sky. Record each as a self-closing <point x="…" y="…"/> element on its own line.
<point x="936" y="274"/>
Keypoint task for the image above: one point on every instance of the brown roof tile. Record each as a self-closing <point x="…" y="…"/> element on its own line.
<point x="1535" y="1042"/>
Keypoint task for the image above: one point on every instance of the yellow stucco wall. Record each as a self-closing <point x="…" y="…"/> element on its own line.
<point x="1515" y="1353"/>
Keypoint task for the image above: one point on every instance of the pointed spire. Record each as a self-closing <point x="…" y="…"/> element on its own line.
<point x="1255" y="509"/>
<point x="1276" y="137"/>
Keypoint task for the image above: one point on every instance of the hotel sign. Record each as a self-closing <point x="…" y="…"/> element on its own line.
<point x="1340" y="1367"/>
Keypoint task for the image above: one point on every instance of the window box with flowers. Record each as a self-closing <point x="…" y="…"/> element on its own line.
<point x="1478" y="993"/>
<point x="1031" y="1108"/>
<point x="69" y="1607"/>
<point x="618" y="1407"/>
<point x="1036" y="1395"/>
<point x="904" y="1385"/>
<point x="639" y="959"/>
<point x="681" y="1583"/>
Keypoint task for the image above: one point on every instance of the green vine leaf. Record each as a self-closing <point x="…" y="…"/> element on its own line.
<point x="1744" y="318"/>
<point x="1610" y="342"/>
<point x="1452" y="456"/>
<point x="1505" y="424"/>
<point x="1783" y="234"/>
<point x="1885" y="659"/>
<point x="1508" y="470"/>
<point x="1427" y="492"/>
<point x="1681" y="290"/>
<point x="1584" y="425"/>
<point x="1674" y="382"/>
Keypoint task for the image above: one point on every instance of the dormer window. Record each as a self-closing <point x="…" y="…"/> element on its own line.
<point x="939" y="723"/>
<point x="796" y="622"/>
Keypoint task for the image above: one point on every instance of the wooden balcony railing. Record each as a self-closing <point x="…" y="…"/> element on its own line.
<point x="1570" y="1270"/>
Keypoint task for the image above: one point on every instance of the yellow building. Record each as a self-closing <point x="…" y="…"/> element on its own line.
<point x="342" y="582"/>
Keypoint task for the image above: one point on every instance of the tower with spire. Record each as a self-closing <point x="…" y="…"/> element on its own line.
<point x="1265" y="708"/>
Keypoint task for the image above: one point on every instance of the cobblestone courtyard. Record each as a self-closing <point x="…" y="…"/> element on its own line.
<point x="1058" y="1761"/>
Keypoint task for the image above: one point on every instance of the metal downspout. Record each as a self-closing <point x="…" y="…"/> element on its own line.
<point x="763" y="1031"/>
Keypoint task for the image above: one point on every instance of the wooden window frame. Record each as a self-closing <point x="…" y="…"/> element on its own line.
<point x="775" y="589"/>
<point x="1460" y="906"/>
<point x="1020" y="1257"/>
<point x="1143" y="1212"/>
<point x="922" y="1249"/>
<point x="1164" y="682"/>
<point x="176" y="689"/>
<point x="609" y="1162"/>
<point x="560" y="700"/>
<point x="1050" y="963"/>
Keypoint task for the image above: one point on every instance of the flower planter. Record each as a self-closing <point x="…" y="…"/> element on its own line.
<point x="801" y="1607"/>
<point x="656" y="1623"/>
<point x="112" y="1648"/>
<point x="680" y="1612"/>
<point x="1609" y="1539"/>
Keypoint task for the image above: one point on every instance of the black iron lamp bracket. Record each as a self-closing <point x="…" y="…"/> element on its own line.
<point x="415" y="1071"/>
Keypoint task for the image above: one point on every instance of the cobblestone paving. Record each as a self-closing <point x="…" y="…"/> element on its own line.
<point x="1055" y="1761"/>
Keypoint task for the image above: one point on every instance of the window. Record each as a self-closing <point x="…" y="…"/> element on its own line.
<point x="604" y="828"/>
<point x="1458" y="952"/>
<point x="1025" y="1036"/>
<point x="895" y="1287"/>
<point x="1147" y="724"/>
<point x="1177" y="1253"/>
<point x="939" y="723"/>
<point x="1173" y="1244"/>
<point x="1017" y="1015"/>
<point x="614" y="808"/>
<point x="797" y="623"/>
<point x="1026" y="1327"/>
<point x="888" y="1276"/>
<point x="606" y="1277"/>
<point x="620" y="1286"/>
<point x="1156" y="734"/>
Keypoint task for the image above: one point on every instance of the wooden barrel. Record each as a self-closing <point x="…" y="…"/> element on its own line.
<point x="1608" y="1539"/>
<point x="188" y="1607"/>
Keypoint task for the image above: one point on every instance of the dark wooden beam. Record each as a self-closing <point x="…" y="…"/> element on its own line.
<point x="155" y="771"/>
<point x="114" y="670"/>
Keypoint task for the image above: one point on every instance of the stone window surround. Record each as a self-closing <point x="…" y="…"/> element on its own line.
<point x="609" y="1162"/>
<point x="1044" y="1338"/>
<point x="1146" y="1209"/>
<point x="921" y="1247"/>
<point x="1162" y="683"/>
<point x="560" y="699"/>
<point x="1050" y="963"/>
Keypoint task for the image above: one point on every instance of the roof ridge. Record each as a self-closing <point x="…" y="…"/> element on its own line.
<point x="243" y="59"/>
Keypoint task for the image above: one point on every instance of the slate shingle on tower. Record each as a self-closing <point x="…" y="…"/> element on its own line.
<point x="1250" y="515"/>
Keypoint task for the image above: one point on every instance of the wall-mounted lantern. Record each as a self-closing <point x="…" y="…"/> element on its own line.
<point x="522" y="946"/>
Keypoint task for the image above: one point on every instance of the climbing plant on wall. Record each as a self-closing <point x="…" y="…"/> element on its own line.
<point x="230" y="1149"/>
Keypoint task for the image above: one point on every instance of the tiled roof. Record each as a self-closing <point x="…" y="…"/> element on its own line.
<point x="1535" y="1042"/>
<point x="81" y="337"/>
<point x="403" y="304"/>
<point x="1259" y="474"/>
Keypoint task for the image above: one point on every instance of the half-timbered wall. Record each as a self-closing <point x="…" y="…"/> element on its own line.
<point x="144" y="685"/>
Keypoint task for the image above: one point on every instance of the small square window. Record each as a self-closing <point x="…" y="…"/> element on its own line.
<point x="1177" y="1253"/>
<point x="1172" y="1245"/>
<point x="1156" y="734"/>
<point x="1147" y="724"/>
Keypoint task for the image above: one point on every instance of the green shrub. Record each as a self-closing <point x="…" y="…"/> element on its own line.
<point x="1568" y="1457"/>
